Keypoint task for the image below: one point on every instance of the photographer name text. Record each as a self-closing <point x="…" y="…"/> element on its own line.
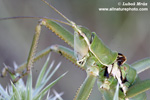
<point x="134" y="4"/>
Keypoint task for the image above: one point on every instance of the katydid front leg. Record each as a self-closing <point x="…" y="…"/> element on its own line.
<point x="57" y="29"/>
<point x="31" y="55"/>
<point x="33" y="49"/>
<point x="84" y="91"/>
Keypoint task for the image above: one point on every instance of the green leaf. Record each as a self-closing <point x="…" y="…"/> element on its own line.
<point x="46" y="79"/>
<point x="48" y="87"/>
<point x="4" y="93"/>
<point x="141" y="65"/>
<point x="16" y="92"/>
<point x="40" y="77"/>
<point x="29" y="86"/>
<point x="48" y="70"/>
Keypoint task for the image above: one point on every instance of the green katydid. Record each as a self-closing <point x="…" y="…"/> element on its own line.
<point x="90" y="54"/>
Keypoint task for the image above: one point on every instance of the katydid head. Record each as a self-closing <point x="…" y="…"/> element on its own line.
<point x="81" y="48"/>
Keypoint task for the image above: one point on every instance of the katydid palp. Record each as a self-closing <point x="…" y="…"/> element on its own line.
<point x="96" y="57"/>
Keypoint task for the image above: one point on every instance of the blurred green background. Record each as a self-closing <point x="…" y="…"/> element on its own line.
<point x="125" y="32"/>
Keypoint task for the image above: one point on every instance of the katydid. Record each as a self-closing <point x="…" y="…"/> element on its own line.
<point x="90" y="54"/>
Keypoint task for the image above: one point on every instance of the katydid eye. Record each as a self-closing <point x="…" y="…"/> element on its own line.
<point x="92" y="37"/>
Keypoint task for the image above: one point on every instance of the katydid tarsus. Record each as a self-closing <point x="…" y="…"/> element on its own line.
<point x="90" y="54"/>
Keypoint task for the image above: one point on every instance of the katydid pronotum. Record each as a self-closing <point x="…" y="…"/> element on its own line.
<point x="91" y="55"/>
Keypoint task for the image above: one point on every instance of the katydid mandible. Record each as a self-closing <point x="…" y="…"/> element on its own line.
<point x="91" y="55"/>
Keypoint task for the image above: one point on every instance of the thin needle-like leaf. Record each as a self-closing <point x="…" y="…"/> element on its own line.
<point x="40" y="77"/>
<point x="46" y="79"/>
<point x="48" y="87"/>
<point x="48" y="70"/>
<point x="4" y="93"/>
<point x="29" y="86"/>
<point x="116" y="95"/>
<point x="16" y="92"/>
<point x="53" y="72"/>
<point x="58" y="95"/>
